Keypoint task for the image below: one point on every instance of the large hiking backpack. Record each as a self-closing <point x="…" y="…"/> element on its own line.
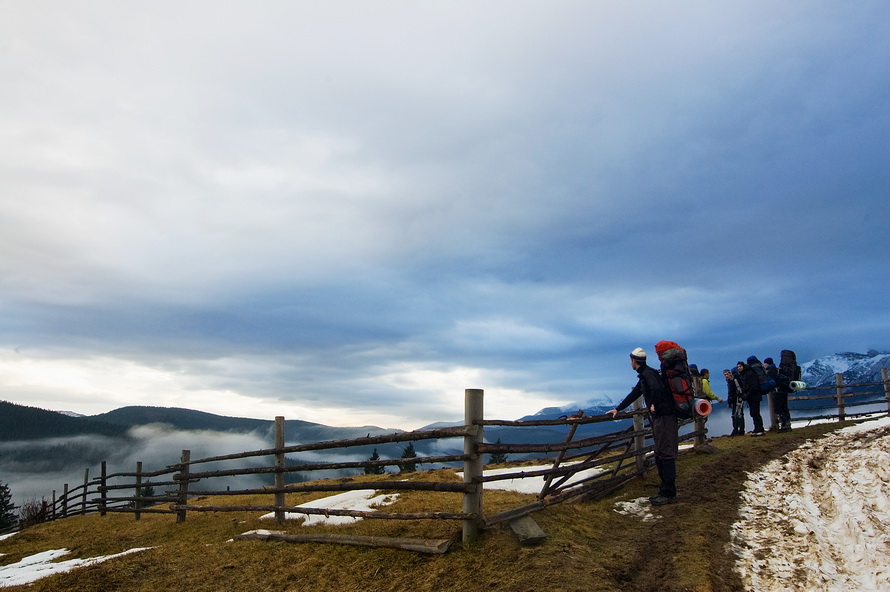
<point x="765" y="382"/>
<point x="789" y="371"/>
<point x="676" y="376"/>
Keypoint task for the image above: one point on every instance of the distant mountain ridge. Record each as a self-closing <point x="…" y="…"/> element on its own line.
<point x="856" y="368"/>
<point x="20" y="422"/>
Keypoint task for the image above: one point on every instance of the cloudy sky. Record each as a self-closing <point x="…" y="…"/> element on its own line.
<point x="349" y="212"/>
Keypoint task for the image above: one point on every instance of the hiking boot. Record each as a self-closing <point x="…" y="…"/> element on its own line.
<point x="756" y="433"/>
<point x="661" y="500"/>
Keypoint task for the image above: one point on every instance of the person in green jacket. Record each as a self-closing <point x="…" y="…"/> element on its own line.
<point x="706" y="391"/>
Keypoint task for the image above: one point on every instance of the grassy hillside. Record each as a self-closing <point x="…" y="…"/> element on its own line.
<point x="590" y="546"/>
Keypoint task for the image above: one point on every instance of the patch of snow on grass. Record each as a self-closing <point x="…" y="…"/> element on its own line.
<point x="819" y="518"/>
<point x="362" y="499"/>
<point x="640" y="507"/>
<point x="34" y="567"/>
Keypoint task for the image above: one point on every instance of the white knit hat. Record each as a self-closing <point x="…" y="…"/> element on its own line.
<point x="638" y="354"/>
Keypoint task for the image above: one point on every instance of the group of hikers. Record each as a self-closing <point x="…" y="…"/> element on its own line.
<point x="750" y="381"/>
<point x="669" y="395"/>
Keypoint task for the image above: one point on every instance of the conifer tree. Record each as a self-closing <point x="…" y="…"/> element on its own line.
<point x="8" y="517"/>
<point x="497" y="458"/>
<point x="409" y="453"/>
<point x="373" y="469"/>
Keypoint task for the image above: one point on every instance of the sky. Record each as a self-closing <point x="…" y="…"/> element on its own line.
<point x="349" y="212"/>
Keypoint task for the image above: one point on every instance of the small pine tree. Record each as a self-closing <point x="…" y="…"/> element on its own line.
<point x="374" y="469"/>
<point x="408" y="452"/>
<point x="8" y="516"/>
<point x="497" y="458"/>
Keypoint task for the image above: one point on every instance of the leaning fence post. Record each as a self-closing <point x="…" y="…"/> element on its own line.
<point x="103" y="495"/>
<point x="183" y="484"/>
<point x="841" y="413"/>
<point x="640" y="438"/>
<point x="473" y="412"/>
<point x="137" y="503"/>
<point x="83" y="496"/>
<point x="886" y="380"/>
<point x="279" y="469"/>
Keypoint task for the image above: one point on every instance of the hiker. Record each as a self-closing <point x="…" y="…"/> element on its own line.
<point x="772" y="373"/>
<point x="696" y="380"/>
<point x="736" y="399"/>
<point x="787" y="373"/>
<point x="706" y="392"/>
<point x="751" y="392"/>
<point x="665" y="429"/>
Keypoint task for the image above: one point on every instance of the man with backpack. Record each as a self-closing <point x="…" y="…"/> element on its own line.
<point x="665" y="429"/>
<point x="750" y="383"/>
<point x="787" y="373"/>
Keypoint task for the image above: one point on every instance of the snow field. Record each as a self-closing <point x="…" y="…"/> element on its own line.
<point x="819" y="519"/>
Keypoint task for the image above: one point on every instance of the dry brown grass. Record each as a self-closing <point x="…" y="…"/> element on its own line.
<point x="590" y="547"/>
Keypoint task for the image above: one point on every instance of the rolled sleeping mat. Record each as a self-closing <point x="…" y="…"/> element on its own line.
<point x="797" y="385"/>
<point x="702" y="407"/>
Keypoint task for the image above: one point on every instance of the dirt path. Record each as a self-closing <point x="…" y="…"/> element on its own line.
<point x="689" y="546"/>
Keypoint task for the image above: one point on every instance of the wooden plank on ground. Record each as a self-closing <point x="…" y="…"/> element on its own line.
<point x="528" y="531"/>
<point x="429" y="546"/>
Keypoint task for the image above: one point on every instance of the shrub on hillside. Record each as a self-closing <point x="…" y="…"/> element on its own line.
<point x="34" y="512"/>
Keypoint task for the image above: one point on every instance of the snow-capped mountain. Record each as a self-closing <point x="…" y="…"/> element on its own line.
<point x="856" y="368"/>
<point x="595" y="406"/>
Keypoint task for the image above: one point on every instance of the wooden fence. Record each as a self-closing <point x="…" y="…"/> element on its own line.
<point x="615" y="458"/>
<point x="840" y="398"/>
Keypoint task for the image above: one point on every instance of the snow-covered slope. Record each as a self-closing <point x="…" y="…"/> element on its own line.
<point x="856" y="368"/>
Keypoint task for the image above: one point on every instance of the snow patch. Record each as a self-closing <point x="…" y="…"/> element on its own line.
<point x="819" y="518"/>
<point x="640" y="507"/>
<point x="34" y="567"/>
<point x="362" y="499"/>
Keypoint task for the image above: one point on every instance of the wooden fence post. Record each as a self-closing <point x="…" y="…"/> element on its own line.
<point x="473" y="466"/>
<point x="65" y="502"/>
<point x="137" y="503"/>
<point x="639" y="440"/>
<point x="279" y="466"/>
<point x="699" y="423"/>
<point x="184" y="462"/>
<point x="103" y="482"/>
<point x="886" y="380"/>
<point x="83" y="496"/>
<point x="841" y="412"/>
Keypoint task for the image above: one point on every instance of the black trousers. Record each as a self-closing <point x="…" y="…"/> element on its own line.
<point x="780" y="405"/>
<point x="665" y="433"/>
<point x="754" y="408"/>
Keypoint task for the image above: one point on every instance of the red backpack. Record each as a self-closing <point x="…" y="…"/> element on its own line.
<point x="676" y="376"/>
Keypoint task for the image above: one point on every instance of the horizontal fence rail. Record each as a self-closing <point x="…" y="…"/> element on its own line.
<point x="582" y="468"/>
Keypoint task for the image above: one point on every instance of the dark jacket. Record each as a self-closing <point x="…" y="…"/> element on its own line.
<point x="732" y="393"/>
<point x="652" y="389"/>
<point x="750" y="384"/>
